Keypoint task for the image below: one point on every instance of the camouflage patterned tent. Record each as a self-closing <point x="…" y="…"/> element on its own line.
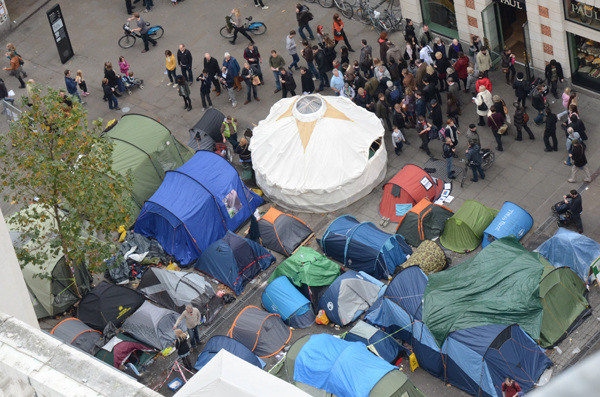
<point x="429" y="256"/>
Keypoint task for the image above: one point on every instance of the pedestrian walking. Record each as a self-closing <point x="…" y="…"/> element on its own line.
<point x="473" y="155"/>
<point x="472" y="136"/>
<point x="276" y="62"/>
<point x="307" y="54"/>
<point x="288" y="84"/>
<point x="337" y="82"/>
<point x="425" y="36"/>
<point x="566" y="101"/>
<point x="148" y="4"/>
<point x="259" y="3"/>
<point x="304" y="16"/>
<point x="521" y="88"/>
<point x="451" y="131"/>
<point x="496" y="123"/>
<point x="508" y="65"/>
<point x="538" y="101"/>
<point x="290" y="45"/>
<point x="193" y="320"/>
<point x="520" y="119"/>
<point x="227" y="82"/>
<point x="15" y="68"/>
<point x="550" y="132"/>
<point x="82" y="83"/>
<point x="426" y="53"/>
<point x="575" y="203"/>
<point x="181" y="344"/>
<point x="501" y="107"/>
<point x="250" y="76"/>
<point x="448" y="152"/>
<point x="4" y="93"/>
<point x="238" y="25"/>
<point x="382" y="41"/>
<point x="554" y="74"/>
<point x="109" y="95"/>
<point x="454" y="51"/>
<point x="571" y="136"/>
<point x="252" y="55"/>
<point x="184" y="91"/>
<point x="398" y="140"/>
<point x="381" y="111"/>
<point x="471" y="82"/>
<point x="205" y="84"/>
<point x="184" y="60"/>
<point x="484" y="61"/>
<point x="423" y="129"/>
<point x="129" y="7"/>
<point x="114" y="79"/>
<point x="171" y="67"/>
<point x="452" y="107"/>
<point x="214" y="72"/>
<point x="436" y="114"/>
<point x="338" y="31"/>
<point x="10" y="47"/>
<point x="484" y="102"/>
<point x="320" y="36"/>
<point x="234" y="68"/>
<point x="143" y="29"/>
<point x="306" y="80"/>
<point x="482" y="80"/>
<point x="322" y="67"/>
<point x="72" y="86"/>
<point x="123" y="66"/>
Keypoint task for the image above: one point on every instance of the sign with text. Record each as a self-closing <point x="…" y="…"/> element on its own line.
<point x="59" y="31"/>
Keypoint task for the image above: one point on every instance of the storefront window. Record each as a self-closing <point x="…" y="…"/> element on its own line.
<point x="440" y="16"/>
<point x="581" y="13"/>
<point x="585" y="61"/>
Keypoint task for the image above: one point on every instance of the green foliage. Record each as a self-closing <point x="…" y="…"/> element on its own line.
<point x="52" y="157"/>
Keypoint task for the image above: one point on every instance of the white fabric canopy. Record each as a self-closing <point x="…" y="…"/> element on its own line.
<point x="311" y="153"/>
<point x="229" y="375"/>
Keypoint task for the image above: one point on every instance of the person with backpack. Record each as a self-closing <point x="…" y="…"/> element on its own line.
<point x="15" y="68"/>
<point x="366" y="59"/>
<point x="448" y="152"/>
<point x="393" y="95"/>
<point x="521" y="88"/>
<point x="538" y="101"/>
<point x="510" y="388"/>
<point x="304" y="16"/>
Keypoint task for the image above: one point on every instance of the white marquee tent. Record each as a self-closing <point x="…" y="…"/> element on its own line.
<point x="318" y="153"/>
<point x="229" y="375"/>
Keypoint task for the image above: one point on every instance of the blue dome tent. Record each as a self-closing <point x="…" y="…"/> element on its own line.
<point x="375" y="339"/>
<point x="363" y="247"/>
<point x="571" y="249"/>
<point x="195" y="206"/>
<point x="479" y="358"/>
<point x="512" y="220"/>
<point x="234" y="261"/>
<point x="281" y="297"/>
<point x="221" y="342"/>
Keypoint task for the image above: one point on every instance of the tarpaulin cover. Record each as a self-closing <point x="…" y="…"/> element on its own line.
<point x="195" y="206"/>
<point x="346" y="369"/>
<point x="281" y="297"/>
<point x="222" y="342"/>
<point x="463" y="232"/>
<point x="234" y="261"/>
<point x="308" y="267"/>
<point x="501" y="285"/>
<point x="512" y="220"/>
<point x="363" y="247"/>
<point x="571" y="249"/>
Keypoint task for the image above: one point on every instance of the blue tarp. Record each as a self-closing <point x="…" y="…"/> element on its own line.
<point x="195" y="206"/>
<point x="512" y="220"/>
<point x="363" y="247"/>
<point x="346" y="369"/>
<point x="218" y="342"/>
<point x="478" y="359"/>
<point x="281" y="297"/>
<point x="234" y="261"/>
<point x="568" y="248"/>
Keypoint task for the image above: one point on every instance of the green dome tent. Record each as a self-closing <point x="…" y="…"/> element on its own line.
<point x="464" y="230"/>
<point x="147" y="149"/>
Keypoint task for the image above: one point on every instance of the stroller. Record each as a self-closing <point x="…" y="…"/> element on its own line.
<point x="534" y="84"/>
<point x="131" y="82"/>
<point x="563" y="213"/>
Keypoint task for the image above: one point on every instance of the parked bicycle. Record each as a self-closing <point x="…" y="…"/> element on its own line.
<point x="256" y="28"/>
<point x="387" y="20"/>
<point x="487" y="159"/>
<point x="344" y="7"/>
<point x="129" y="38"/>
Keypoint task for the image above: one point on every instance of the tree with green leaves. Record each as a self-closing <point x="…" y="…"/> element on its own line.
<point x="54" y="158"/>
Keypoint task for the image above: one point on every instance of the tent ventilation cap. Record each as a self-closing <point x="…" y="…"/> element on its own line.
<point x="309" y="108"/>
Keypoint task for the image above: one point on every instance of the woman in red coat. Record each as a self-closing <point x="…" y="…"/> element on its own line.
<point x="338" y="31"/>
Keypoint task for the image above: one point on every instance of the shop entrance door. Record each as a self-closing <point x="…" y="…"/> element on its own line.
<point x="492" y="33"/>
<point x="512" y="17"/>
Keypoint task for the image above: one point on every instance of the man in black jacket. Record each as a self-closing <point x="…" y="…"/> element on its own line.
<point x="576" y="207"/>
<point x="521" y="88"/>
<point x="303" y="16"/>
<point x="211" y="65"/>
<point x="554" y="74"/>
<point x="322" y="67"/>
<point x="184" y="59"/>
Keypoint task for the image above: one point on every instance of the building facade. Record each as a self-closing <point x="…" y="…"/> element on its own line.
<point x="535" y="30"/>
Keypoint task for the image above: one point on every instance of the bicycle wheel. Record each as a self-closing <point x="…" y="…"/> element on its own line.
<point x="127" y="41"/>
<point x="326" y="3"/>
<point x="257" y="28"/>
<point x="346" y="9"/>
<point x="157" y="33"/>
<point x="363" y="15"/>
<point x="488" y="160"/>
<point x="225" y="32"/>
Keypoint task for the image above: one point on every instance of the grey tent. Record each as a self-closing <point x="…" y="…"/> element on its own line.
<point x="51" y="285"/>
<point x="74" y="332"/>
<point x="174" y="290"/>
<point x="152" y="326"/>
<point x="207" y="131"/>
<point x="263" y="333"/>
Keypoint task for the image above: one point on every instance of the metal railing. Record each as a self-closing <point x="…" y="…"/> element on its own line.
<point x="11" y="112"/>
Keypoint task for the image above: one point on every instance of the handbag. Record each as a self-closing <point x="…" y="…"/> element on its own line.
<point x="337" y="33"/>
<point x="525" y="118"/>
<point x="483" y="106"/>
<point x="502" y="129"/>
<point x="255" y="80"/>
<point x="504" y="70"/>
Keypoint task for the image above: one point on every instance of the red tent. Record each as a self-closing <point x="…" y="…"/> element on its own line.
<point x="409" y="186"/>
